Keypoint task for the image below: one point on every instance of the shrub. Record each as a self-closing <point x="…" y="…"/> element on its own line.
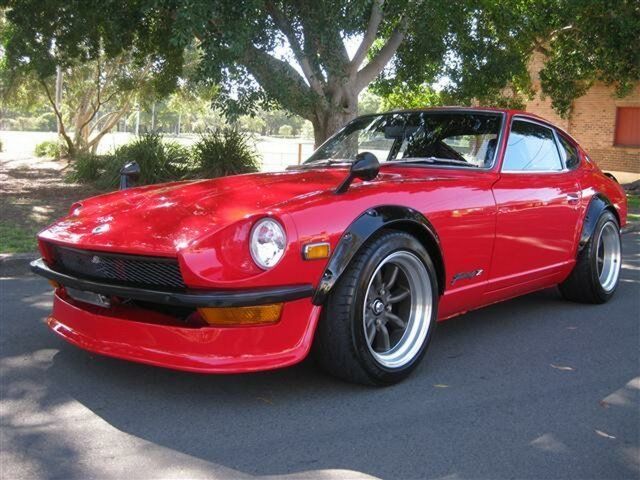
<point x="285" y="130"/>
<point x="159" y="162"/>
<point x="89" y="168"/>
<point x="222" y="152"/>
<point x="50" y="148"/>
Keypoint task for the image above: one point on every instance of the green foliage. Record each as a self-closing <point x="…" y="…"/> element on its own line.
<point x="253" y="124"/>
<point x="0" y="145"/>
<point x="159" y="162"/>
<point x="218" y="153"/>
<point x="600" y="43"/>
<point x="307" y="130"/>
<point x="285" y="130"/>
<point x="369" y="102"/>
<point x="50" y="148"/>
<point x="224" y="152"/>
<point x="402" y="97"/>
<point x="474" y="49"/>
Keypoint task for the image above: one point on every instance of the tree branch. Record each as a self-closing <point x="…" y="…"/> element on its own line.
<point x="63" y="131"/>
<point x="280" y="80"/>
<point x="370" y="35"/>
<point x="372" y="69"/>
<point x="327" y="45"/>
<point x="284" y="24"/>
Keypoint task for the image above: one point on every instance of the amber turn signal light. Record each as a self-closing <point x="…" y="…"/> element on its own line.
<point x="239" y="316"/>
<point x="315" y="251"/>
<point x="54" y="284"/>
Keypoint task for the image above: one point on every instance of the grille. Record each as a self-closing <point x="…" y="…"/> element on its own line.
<point x="128" y="269"/>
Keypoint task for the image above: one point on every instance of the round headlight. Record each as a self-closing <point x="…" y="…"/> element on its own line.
<point x="268" y="242"/>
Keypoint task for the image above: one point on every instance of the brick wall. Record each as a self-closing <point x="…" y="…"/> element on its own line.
<point x="591" y="122"/>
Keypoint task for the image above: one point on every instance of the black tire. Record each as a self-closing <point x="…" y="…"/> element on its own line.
<point x="583" y="284"/>
<point x="340" y="345"/>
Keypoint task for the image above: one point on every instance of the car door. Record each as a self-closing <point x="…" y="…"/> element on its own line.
<point x="538" y="207"/>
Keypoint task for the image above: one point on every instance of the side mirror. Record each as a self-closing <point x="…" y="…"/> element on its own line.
<point x="129" y="173"/>
<point x="365" y="167"/>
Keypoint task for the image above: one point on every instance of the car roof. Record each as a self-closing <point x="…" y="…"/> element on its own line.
<point x="506" y="111"/>
<point x="464" y="109"/>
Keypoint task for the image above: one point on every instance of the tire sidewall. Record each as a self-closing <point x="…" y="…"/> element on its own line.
<point x="384" y="246"/>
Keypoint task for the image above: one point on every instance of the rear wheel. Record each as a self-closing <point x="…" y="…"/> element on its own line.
<point x="594" y="279"/>
<point x="380" y="316"/>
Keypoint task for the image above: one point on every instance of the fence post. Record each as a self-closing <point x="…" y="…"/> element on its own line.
<point x="299" y="153"/>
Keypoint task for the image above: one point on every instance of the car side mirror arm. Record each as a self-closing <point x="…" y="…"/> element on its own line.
<point x="365" y="167"/>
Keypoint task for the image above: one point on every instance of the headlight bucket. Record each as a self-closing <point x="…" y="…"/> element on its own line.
<point x="267" y="242"/>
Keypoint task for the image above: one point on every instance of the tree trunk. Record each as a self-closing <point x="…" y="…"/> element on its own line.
<point x="58" y="95"/>
<point x="343" y="108"/>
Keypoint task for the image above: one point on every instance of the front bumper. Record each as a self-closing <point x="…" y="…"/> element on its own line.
<point x="147" y="336"/>
<point x="192" y="298"/>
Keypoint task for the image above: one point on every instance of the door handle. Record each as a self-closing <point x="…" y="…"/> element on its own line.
<point x="573" y="198"/>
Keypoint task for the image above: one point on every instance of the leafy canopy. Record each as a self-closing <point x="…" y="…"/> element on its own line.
<point x="293" y="53"/>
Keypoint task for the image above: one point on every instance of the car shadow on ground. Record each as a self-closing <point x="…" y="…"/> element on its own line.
<point x="514" y="389"/>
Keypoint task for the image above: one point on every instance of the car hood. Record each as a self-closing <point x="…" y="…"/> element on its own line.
<point x="167" y="218"/>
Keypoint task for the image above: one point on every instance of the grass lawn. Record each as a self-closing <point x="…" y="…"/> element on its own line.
<point x="16" y="239"/>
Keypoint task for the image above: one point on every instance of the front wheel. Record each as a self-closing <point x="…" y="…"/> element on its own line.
<point x="379" y="318"/>
<point x="594" y="278"/>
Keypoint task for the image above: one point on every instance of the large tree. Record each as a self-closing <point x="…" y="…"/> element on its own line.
<point x="263" y="52"/>
<point x="294" y="53"/>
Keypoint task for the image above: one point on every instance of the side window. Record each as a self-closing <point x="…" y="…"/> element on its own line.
<point x="477" y="149"/>
<point x="569" y="152"/>
<point x="531" y="147"/>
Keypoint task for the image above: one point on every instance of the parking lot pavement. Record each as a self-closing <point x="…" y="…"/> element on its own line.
<point x="535" y="387"/>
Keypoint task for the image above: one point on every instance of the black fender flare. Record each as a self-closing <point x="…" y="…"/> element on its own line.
<point x="598" y="204"/>
<point x="360" y="230"/>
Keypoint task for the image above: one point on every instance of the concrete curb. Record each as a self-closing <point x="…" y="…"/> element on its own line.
<point x="12" y="264"/>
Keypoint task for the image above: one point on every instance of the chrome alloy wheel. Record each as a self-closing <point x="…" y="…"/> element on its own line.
<point x="608" y="256"/>
<point x="397" y="309"/>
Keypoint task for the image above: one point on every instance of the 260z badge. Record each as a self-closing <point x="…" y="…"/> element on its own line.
<point x="466" y="275"/>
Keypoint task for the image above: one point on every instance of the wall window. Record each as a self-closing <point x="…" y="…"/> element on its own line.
<point x="531" y="147"/>
<point x="628" y="127"/>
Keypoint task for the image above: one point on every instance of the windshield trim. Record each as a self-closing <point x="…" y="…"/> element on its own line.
<point x="435" y="111"/>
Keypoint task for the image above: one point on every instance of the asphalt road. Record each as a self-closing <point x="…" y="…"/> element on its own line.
<point x="532" y="388"/>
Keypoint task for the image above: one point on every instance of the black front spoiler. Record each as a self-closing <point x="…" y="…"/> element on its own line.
<point x="187" y="298"/>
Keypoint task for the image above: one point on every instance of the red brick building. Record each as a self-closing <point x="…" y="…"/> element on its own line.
<point x="607" y="127"/>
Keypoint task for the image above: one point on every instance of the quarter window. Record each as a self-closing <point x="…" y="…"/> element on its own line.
<point x="531" y="147"/>
<point x="569" y="152"/>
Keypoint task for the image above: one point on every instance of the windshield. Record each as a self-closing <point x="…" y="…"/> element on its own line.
<point x="467" y="139"/>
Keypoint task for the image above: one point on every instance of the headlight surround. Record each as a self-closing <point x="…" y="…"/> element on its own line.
<point x="267" y="242"/>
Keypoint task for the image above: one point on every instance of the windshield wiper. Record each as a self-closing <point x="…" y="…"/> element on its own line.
<point x="435" y="160"/>
<point x="324" y="162"/>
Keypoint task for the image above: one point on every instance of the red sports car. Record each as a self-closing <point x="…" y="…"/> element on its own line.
<point x="397" y="222"/>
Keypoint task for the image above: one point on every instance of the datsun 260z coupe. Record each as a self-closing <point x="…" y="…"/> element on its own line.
<point x="397" y="222"/>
